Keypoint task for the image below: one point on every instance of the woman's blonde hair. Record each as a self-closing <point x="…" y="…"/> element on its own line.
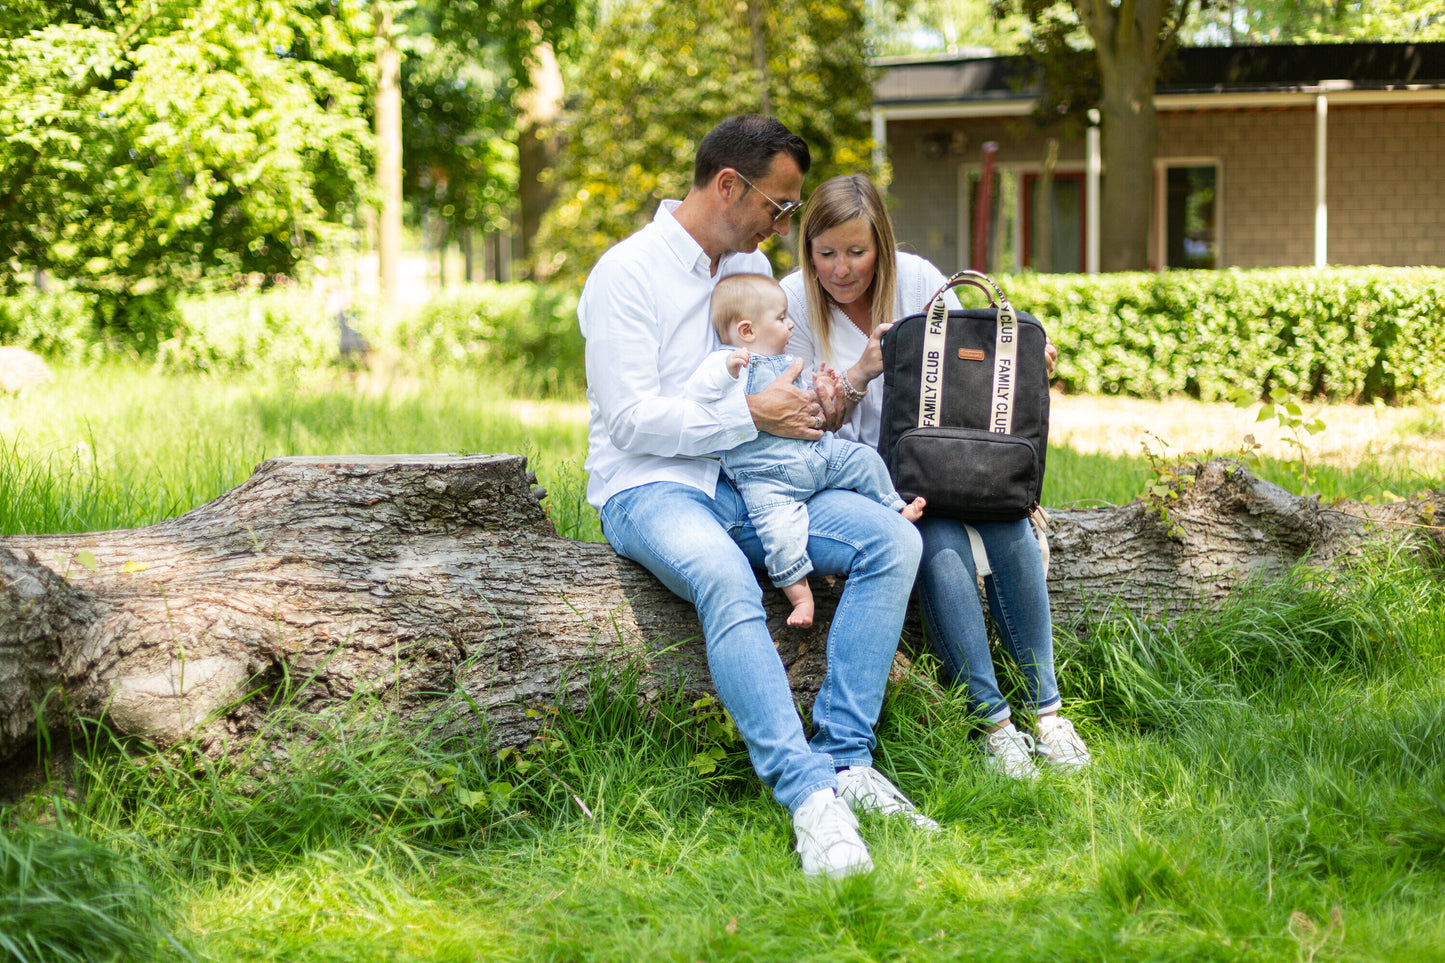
<point x="836" y="201"/>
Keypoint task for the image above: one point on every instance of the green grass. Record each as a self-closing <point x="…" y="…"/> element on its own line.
<point x="1269" y="781"/>
<point x="1268" y="785"/>
<point x="123" y="446"/>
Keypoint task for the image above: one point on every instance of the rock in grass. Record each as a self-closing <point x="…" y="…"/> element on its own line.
<point x="21" y="369"/>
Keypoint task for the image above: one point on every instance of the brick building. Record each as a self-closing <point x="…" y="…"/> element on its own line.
<point x="1268" y="156"/>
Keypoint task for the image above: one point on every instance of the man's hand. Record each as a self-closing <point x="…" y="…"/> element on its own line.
<point x="785" y="410"/>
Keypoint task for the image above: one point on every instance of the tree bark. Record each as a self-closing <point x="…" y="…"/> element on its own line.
<point x="1126" y="42"/>
<point x="539" y="107"/>
<point x="437" y="586"/>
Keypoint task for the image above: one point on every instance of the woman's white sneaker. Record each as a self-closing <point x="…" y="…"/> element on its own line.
<point x="1010" y="752"/>
<point x="828" y="840"/>
<point x="866" y="790"/>
<point x="1059" y="745"/>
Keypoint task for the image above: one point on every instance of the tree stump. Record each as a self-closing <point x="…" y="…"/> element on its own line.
<point x="437" y="586"/>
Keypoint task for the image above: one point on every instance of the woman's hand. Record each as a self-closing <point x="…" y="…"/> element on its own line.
<point x="870" y="365"/>
<point x="785" y="410"/>
<point x="1051" y="356"/>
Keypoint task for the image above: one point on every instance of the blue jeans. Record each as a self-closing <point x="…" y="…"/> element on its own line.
<point x="1018" y="596"/>
<point x="779" y="475"/>
<point x="705" y="549"/>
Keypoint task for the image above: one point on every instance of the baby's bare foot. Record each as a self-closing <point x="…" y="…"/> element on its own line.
<point x="802" y="614"/>
<point x="913" y="511"/>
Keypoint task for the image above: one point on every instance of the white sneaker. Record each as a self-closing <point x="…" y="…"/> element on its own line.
<point x="1011" y="752"/>
<point x="828" y="840"/>
<point x="866" y="790"/>
<point x="1059" y="745"/>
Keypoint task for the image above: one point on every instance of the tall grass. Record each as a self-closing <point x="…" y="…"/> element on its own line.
<point x="123" y="446"/>
<point x="1269" y="778"/>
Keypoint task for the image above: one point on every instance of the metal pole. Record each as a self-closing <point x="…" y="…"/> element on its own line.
<point x="983" y="208"/>
<point x="1091" y="195"/>
<point x="1322" y="216"/>
<point x="880" y="140"/>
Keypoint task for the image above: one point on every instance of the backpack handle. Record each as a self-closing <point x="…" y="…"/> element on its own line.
<point x="979" y="280"/>
<point x="931" y="380"/>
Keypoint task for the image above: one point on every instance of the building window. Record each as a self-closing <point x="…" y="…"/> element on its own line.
<point x="995" y="247"/>
<point x="1023" y="229"/>
<point x="1054" y="225"/>
<point x="1191" y="215"/>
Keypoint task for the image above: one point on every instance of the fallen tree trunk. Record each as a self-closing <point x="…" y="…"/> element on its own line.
<point x="437" y="583"/>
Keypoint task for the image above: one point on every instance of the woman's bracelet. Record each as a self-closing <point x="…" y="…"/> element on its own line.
<point x="850" y="392"/>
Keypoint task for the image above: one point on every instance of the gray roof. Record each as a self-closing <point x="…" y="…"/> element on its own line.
<point x="1193" y="70"/>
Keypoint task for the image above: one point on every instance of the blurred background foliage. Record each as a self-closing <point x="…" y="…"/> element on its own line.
<point x="155" y="150"/>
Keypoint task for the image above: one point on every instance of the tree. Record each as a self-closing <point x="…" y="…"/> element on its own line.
<point x="435" y="586"/>
<point x="915" y="27"/>
<point x="150" y="146"/>
<point x="1314" y="21"/>
<point x="1128" y="44"/>
<point x="481" y="86"/>
<point x="655" y="77"/>
<point x="1125" y="47"/>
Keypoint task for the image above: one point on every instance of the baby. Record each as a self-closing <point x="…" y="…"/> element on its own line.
<point x="774" y="475"/>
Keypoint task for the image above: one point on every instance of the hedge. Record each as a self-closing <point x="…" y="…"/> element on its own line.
<point x="57" y="326"/>
<point x="1336" y="334"/>
<point x="525" y="332"/>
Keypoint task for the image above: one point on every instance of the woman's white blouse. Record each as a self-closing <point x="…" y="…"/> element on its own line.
<point x="918" y="281"/>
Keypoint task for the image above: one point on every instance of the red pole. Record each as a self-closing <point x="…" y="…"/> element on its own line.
<point x="983" y="209"/>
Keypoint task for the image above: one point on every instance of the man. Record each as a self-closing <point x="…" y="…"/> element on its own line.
<point x="654" y="478"/>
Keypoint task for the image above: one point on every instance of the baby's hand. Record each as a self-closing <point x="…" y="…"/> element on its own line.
<point x="825" y="379"/>
<point x="825" y="386"/>
<point x="737" y="361"/>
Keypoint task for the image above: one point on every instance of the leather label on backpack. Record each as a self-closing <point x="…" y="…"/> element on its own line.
<point x="972" y="354"/>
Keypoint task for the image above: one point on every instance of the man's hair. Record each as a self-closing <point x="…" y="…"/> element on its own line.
<point x="738" y="296"/>
<point x="747" y="143"/>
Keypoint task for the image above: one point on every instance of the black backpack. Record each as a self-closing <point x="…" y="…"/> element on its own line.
<point x="966" y="407"/>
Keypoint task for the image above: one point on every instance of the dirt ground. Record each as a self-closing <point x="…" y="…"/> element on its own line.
<point x="1414" y="435"/>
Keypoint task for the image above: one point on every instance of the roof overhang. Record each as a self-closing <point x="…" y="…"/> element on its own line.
<point x="1167" y="103"/>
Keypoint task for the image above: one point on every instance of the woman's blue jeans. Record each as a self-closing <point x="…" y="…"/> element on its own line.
<point x="705" y="550"/>
<point x="1018" y="596"/>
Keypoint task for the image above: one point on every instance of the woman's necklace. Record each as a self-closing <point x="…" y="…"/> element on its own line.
<point x="861" y="307"/>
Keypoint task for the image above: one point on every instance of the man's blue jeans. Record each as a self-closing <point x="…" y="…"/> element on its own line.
<point x="705" y="549"/>
<point x="1018" y="596"/>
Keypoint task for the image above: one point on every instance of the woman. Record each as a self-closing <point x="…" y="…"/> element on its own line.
<point x="852" y="285"/>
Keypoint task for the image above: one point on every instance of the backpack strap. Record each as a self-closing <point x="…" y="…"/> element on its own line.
<point x="931" y="382"/>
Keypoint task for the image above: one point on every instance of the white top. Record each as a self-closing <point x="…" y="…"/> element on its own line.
<point x="918" y="281"/>
<point x="644" y="314"/>
<point x="712" y="380"/>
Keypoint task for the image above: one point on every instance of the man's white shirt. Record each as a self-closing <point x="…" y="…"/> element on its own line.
<point x="644" y="313"/>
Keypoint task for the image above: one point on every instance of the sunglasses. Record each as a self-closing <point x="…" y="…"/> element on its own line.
<point x="785" y="211"/>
